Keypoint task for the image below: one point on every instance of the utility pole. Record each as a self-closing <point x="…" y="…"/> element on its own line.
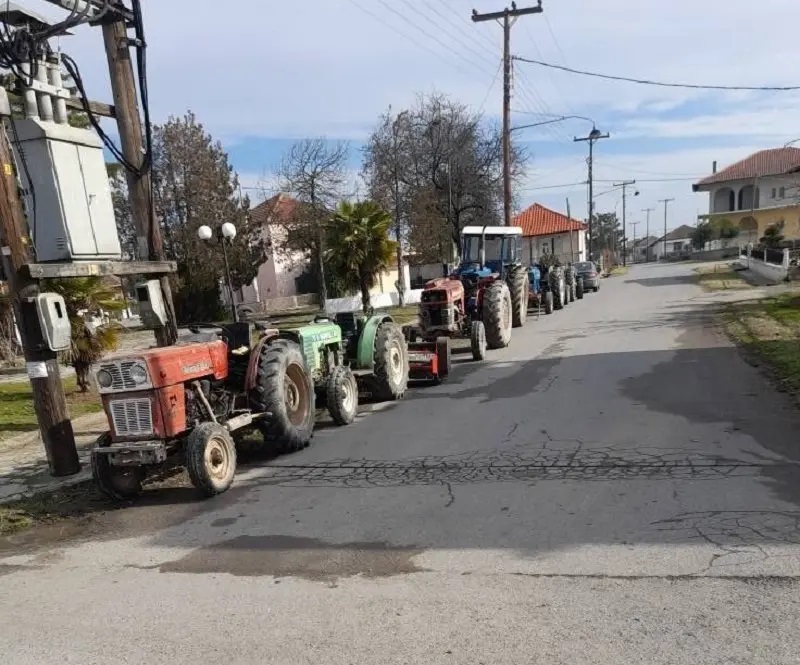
<point x="647" y="234"/>
<point x="571" y="232"/>
<point x="129" y="123"/>
<point x="634" y="225"/>
<point x="401" y="290"/>
<point x="508" y="17"/>
<point x="666" y="202"/>
<point x="594" y="136"/>
<point x="624" y="184"/>
<point x="42" y="364"/>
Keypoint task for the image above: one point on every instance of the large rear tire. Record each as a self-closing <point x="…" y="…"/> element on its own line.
<point x="391" y="362"/>
<point x="120" y="483"/>
<point x="579" y="288"/>
<point x="477" y="340"/>
<point x="342" y="395"/>
<point x="518" y="284"/>
<point x="284" y="389"/>
<point x="497" y="316"/>
<point x="210" y="458"/>
<point x="443" y="356"/>
<point x="559" y="294"/>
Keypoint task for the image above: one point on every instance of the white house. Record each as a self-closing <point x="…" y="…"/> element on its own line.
<point x="678" y="241"/>
<point x="546" y="231"/>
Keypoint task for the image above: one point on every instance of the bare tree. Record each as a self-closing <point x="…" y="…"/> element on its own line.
<point x="441" y="153"/>
<point x="314" y="172"/>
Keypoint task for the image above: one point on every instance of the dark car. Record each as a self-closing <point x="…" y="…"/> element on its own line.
<point x="591" y="276"/>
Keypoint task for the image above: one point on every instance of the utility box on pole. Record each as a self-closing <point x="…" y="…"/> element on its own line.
<point x="69" y="208"/>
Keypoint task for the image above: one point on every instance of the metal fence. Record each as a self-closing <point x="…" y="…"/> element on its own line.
<point x="774" y="256"/>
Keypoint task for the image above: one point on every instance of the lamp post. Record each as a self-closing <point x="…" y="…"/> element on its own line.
<point x="594" y="136"/>
<point x="225" y="235"/>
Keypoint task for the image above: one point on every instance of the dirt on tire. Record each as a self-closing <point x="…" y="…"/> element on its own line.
<point x="342" y="395"/>
<point x="210" y="458"/>
<point x="390" y="373"/>
<point x="519" y="285"/>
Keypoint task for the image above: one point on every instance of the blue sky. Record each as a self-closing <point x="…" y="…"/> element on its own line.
<point x="261" y="75"/>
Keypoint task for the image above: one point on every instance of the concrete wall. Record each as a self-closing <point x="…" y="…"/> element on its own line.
<point x="770" y="272"/>
<point x="534" y="247"/>
<point x="380" y="301"/>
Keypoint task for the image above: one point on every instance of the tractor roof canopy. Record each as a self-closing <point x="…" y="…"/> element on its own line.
<point x="491" y="231"/>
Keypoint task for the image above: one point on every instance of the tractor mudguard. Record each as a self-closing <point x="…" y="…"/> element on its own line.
<point x="365" y="357"/>
<point x="267" y="337"/>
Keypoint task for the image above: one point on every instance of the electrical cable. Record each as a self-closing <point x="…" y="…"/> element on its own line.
<point x="662" y="84"/>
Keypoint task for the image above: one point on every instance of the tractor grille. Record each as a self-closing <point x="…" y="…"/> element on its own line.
<point x="120" y="375"/>
<point x="439" y="316"/>
<point x="431" y="295"/>
<point x="131" y="417"/>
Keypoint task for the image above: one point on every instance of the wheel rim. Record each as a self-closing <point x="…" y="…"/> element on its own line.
<point x="395" y="362"/>
<point x="348" y="396"/>
<point x="217" y="459"/>
<point x="295" y="394"/>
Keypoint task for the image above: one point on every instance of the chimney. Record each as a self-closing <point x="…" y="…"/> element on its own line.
<point x="714" y="166"/>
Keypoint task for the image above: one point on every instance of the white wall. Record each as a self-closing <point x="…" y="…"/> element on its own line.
<point x="657" y="250"/>
<point x="535" y="246"/>
<point x="765" y="187"/>
<point x="353" y="303"/>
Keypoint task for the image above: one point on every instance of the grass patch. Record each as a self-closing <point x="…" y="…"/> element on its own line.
<point x="618" y="271"/>
<point x="720" y="277"/>
<point x="769" y="331"/>
<point x="75" y="501"/>
<point x="16" y="406"/>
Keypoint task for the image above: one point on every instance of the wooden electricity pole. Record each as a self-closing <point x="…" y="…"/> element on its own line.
<point x="42" y="364"/>
<point x="129" y="123"/>
<point x="508" y="17"/>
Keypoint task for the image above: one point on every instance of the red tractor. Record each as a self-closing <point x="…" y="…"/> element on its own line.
<point x="482" y="300"/>
<point x="186" y="401"/>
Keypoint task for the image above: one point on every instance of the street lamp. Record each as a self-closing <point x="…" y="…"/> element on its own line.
<point x="225" y="235"/>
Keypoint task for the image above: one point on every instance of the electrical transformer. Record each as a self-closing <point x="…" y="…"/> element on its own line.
<point x="66" y="192"/>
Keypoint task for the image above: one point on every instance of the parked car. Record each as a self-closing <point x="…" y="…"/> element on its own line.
<point x="588" y="271"/>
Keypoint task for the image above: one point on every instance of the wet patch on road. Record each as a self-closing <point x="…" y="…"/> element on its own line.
<point x="290" y="556"/>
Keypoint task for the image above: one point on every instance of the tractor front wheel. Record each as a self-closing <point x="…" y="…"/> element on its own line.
<point x="391" y="362"/>
<point x="443" y="356"/>
<point x="519" y="285"/>
<point x="497" y="315"/>
<point x="579" y="289"/>
<point x="342" y="395"/>
<point x="477" y="340"/>
<point x="210" y="458"/>
<point x="119" y="483"/>
<point x="285" y="390"/>
<point x="559" y="295"/>
<point x="548" y="302"/>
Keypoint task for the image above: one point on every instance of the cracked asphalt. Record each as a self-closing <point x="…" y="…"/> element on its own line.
<point x="618" y="486"/>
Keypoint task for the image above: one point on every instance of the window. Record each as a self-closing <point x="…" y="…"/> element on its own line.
<point x="782" y="192"/>
<point x="677" y="246"/>
<point x="773" y="192"/>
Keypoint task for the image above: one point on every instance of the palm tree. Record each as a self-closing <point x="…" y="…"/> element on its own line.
<point x="358" y="248"/>
<point x="88" y="298"/>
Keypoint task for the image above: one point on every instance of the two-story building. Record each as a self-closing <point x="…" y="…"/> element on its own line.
<point x="757" y="192"/>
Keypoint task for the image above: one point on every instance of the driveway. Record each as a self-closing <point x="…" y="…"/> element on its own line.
<point x="617" y="486"/>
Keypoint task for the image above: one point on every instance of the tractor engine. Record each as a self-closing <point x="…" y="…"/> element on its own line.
<point x="442" y="307"/>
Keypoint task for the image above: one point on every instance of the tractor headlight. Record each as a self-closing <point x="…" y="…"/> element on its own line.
<point x="138" y="374"/>
<point x="104" y="378"/>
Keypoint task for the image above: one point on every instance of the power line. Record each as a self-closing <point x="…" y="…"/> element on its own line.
<point x="661" y="84"/>
<point x="491" y="87"/>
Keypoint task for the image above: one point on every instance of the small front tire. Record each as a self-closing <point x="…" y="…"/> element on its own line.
<point x="120" y="483"/>
<point x="478" y="340"/>
<point x="210" y="458"/>
<point x="342" y="395"/>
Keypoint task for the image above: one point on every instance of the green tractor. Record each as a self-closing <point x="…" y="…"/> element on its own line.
<point x="352" y="354"/>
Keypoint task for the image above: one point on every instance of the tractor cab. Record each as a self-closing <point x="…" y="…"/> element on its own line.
<point x="488" y="251"/>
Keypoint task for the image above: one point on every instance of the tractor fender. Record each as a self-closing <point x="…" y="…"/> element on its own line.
<point x="365" y="356"/>
<point x="252" y="365"/>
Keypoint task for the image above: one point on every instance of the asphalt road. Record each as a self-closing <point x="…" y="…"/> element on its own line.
<point x="618" y="486"/>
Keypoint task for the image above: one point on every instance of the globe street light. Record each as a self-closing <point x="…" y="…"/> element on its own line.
<point x="225" y="235"/>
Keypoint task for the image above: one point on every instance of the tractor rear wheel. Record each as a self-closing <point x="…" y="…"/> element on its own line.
<point x="518" y="284"/>
<point x="391" y="362"/>
<point x="443" y="356"/>
<point x="548" y="302"/>
<point x="285" y="390"/>
<point x="579" y="289"/>
<point x="477" y="340"/>
<point x="342" y="395"/>
<point x="559" y="295"/>
<point x="116" y="482"/>
<point x="497" y="316"/>
<point x="210" y="458"/>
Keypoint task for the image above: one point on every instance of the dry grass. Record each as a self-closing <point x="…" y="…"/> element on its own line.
<point x="720" y="277"/>
<point x="79" y="499"/>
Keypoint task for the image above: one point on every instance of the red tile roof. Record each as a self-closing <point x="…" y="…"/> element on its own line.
<point x="276" y="210"/>
<point x="776" y="161"/>
<point x="540" y="221"/>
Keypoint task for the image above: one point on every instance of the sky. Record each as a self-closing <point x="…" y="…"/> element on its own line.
<point x="260" y="74"/>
